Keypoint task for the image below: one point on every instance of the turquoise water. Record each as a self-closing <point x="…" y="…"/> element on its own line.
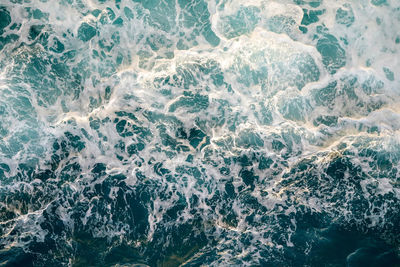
<point x="200" y="133"/>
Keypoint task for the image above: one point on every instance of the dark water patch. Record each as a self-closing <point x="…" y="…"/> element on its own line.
<point x="5" y="19"/>
<point x="311" y="16"/>
<point x="86" y="32"/>
<point x="333" y="55"/>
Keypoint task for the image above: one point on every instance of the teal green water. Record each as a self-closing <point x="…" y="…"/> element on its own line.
<point x="199" y="133"/>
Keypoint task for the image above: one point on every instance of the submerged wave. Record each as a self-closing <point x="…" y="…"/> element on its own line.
<point x="199" y="133"/>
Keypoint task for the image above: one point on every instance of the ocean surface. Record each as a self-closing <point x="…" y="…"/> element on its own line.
<point x="200" y="133"/>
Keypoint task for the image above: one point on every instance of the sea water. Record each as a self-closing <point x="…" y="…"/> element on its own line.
<point x="199" y="133"/>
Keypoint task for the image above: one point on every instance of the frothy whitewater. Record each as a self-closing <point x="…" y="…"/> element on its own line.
<point x="200" y="133"/>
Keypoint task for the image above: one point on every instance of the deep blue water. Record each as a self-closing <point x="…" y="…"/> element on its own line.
<point x="200" y="133"/>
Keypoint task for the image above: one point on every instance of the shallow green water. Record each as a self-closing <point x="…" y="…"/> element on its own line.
<point x="199" y="133"/>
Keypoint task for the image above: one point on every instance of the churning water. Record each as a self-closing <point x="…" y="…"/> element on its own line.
<point x="199" y="133"/>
